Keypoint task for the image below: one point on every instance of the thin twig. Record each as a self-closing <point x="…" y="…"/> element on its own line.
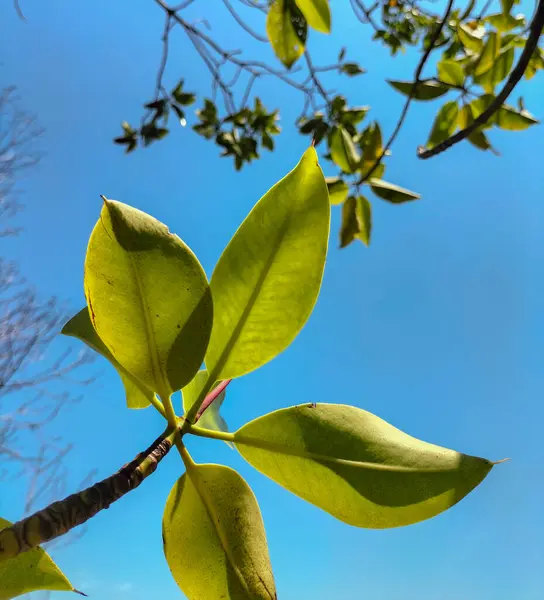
<point x="537" y="26"/>
<point x="417" y="81"/>
<point x="243" y="24"/>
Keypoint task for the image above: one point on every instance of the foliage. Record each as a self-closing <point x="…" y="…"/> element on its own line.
<point x="476" y="49"/>
<point x="148" y="302"/>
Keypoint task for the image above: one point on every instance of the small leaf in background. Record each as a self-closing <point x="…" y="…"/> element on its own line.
<point x="500" y="69"/>
<point x="356" y="221"/>
<point x="356" y="466"/>
<point x="351" y="69"/>
<point x="343" y="150"/>
<point x="148" y="298"/>
<point x="444" y="124"/>
<point x="211" y="419"/>
<point x="450" y="71"/>
<point x="81" y="327"/>
<point x="489" y="53"/>
<point x="338" y="189"/>
<point x="471" y="39"/>
<point x="391" y="192"/>
<point x="426" y="90"/>
<point x="317" y="13"/>
<point x="214" y="538"/>
<point x="480" y="141"/>
<point x="267" y="280"/>
<point x="30" y="571"/>
<point x="508" y="117"/>
<point x="287" y="30"/>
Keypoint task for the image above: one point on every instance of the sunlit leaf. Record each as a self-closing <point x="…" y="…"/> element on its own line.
<point x="81" y="327"/>
<point x="343" y="150"/>
<point x="489" y="54"/>
<point x="471" y="39"/>
<point x="508" y="117"/>
<point x="148" y="298"/>
<point x="267" y="280"/>
<point x="464" y="117"/>
<point x="317" y="13"/>
<point x="211" y="419"/>
<point x="338" y="189"/>
<point x="286" y="29"/>
<point x="426" y="90"/>
<point x="450" y="71"/>
<point x="504" y="22"/>
<point x="30" y="571"/>
<point x="391" y="192"/>
<point x="444" y="124"/>
<point x="356" y="221"/>
<point x="500" y="69"/>
<point x="356" y="466"/>
<point x="214" y="539"/>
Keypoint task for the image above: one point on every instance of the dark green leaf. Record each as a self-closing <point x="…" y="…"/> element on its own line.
<point x="356" y="221"/>
<point x="426" y="90"/>
<point x="180" y="114"/>
<point x="391" y="192"/>
<point x="351" y="69"/>
<point x="480" y="141"/>
<point x="444" y="124"/>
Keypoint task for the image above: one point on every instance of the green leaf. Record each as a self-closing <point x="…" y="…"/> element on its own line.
<point x="351" y="69"/>
<point x="391" y="192"/>
<point x="81" y="327"/>
<point x="479" y="105"/>
<point x="211" y="419"/>
<point x="287" y="30"/>
<point x="267" y="280"/>
<point x="214" y="538"/>
<point x="450" y="71"/>
<point x="317" y="13"/>
<point x="505" y="22"/>
<point x="489" y="54"/>
<point x="426" y="90"/>
<point x="508" y="117"/>
<point x="500" y="69"/>
<point x="471" y="39"/>
<point x="356" y="466"/>
<point x="506" y="6"/>
<point x="464" y="117"/>
<point x="148" y="297"/>
<point x="343" y="150"/>
<point x="356" y="221"/>
<point x="338" y="189"/>
<point x="480" y="141"/>
<point x="444" y="124"/>
<point x="30" y="571"/>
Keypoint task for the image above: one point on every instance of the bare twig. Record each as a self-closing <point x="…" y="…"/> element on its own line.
<point x="243" y="24"/>
<point x="517" y="73"/>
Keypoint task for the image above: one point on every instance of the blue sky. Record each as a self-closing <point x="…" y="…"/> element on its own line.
<point x="437" y="328"/>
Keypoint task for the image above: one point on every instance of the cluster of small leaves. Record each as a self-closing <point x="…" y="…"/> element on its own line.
<point x="342" y="459"/>
<point x="478" y="54"/>
<point x="239" y="134"/>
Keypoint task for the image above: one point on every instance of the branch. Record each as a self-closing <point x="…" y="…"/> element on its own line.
<point x="532" y="42"/>
<point x="417" y="80"/>
<point x="60" y="517"/>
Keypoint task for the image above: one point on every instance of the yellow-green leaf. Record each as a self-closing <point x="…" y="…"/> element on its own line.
<point x="214" y="539"/>
<point x="426" y="90"/>
<point x="471" y="39"/>
<point x="81" y="327"/>
<point x="450" y="71"/>
<point x="286" y="28"/>
<point x="267" y="280"/>
<point x="211" y="419"/>
<point x="148" y="297"/>
<point x="356" y="221"/>
<point x="391" y="192"/>
<point x="338" y="189"/>
<point x="500" y="69"/>
<point x="464" y="117"/>
<point x="508" y="117"/>
<point x="444" y="124"/>
<point x="489" y="53"/>
<point x="479" y="105"/>
<point x="503" y="22"/>
<point x="356" y="466"/>
<point x="343" y="150"/>
<point x="373" y="144"/>
<point x="317" y="13"/>
<point x="30" y="571"/>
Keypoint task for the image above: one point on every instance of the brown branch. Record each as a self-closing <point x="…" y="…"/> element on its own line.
<point x="60" y="517"/>
<point x="515" y="76"/>
<point x="417" y="81"/>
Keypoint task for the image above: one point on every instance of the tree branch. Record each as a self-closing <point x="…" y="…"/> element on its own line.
<point x="532" y="42"/>
<point x="60" y="517"/>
